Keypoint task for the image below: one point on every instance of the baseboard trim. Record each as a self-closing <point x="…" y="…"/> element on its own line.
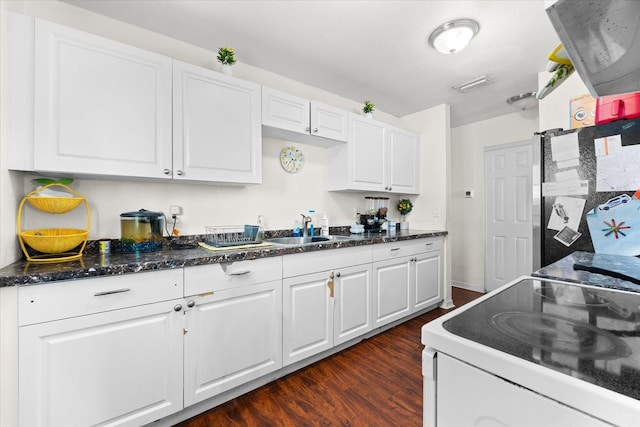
<point x="468" y="286"/>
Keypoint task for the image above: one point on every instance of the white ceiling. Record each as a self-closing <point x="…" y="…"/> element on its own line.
<point x="361" y="50"/>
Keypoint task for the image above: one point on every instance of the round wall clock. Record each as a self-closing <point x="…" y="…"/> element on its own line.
<point x="291" y="159"/>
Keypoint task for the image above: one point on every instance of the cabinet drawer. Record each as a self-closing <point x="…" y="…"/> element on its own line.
<point x="46" y="302"/>
<point x="428" y="245"/>
<point x="215" y="277"/>
<point x="406" y="247"/>
<point x="312" y="262"/>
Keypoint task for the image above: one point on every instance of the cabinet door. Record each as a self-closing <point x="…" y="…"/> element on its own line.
<point x="352" y="309"/>
<point x="403" y="159"/>
<point x="122" y="367"/>
<point x="101" y="107"/>
<point x="329" y="122"/>
<point x="217" y="134"/>
<point x="367" y="154"/>
<point x="231" y="337"/>
<point x="307" y="316"/>
<point x="283" y="111"/>
<point x="427" y="270"/>
<point x="391" y="290"/>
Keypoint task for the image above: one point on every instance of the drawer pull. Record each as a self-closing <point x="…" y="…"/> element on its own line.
<point x="395" y="249"/>
<point x="239" y="273"/>
<point x="116" y="291"/>
<point x="429" y="244"/>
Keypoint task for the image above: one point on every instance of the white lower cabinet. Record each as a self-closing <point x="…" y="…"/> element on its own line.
<point x="328" y="306"/>
<point x="391" y="282"/>
<point x="129" y="350"/>
<point x="231" y="337"/>
<point x="407" y="277"/>
<point x="427" y="269"/>
<point x="114" y="367"/>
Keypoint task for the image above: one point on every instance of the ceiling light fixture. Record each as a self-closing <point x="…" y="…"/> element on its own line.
<point x="453" y="36"/>
<point x="523" y="101"/>
<point x="472" y="84"/>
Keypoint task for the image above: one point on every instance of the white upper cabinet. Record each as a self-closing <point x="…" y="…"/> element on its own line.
<point x="216" y="127"/>
<point x="403" y="161"/>
<point x="101" y="107"/>
<point x="291" y="117"/>
<point x="377" y="158"/>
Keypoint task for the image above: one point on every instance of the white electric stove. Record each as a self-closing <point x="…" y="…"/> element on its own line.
<point x="535" y="353"/>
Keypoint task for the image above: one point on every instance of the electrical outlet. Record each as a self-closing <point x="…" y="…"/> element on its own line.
<point x="175" y="210"/>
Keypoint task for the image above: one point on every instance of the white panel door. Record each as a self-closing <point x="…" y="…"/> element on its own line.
<point x="391" y="290"/>
<point x="117" y="368"/>
<point x="329" y="122"/>
<point x="101" y="107"/>
<point x="307" y="311"/>
<point x="403" y="160"/>
<point x="367" y="154"/>
<point x="231" y="337"/>
<point x="217" y="135"/>
<point x="284" y="111"/>
<point x="353" y="295"/>
<point x="508" y="213"/>
<point x="427" y="269"/>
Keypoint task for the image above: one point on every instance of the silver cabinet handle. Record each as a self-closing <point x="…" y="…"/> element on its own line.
<point x="315" y="130"/>
<point x="429" y="244"/>
<point x="180" y="173"/>
<point x="239" y="273"/>
<point x="116" y="291"/>
<point x="307" y="129"/>
<point x="167" y="171"/>
<point x="395" y="249"/>
<point x="338" y="274"/>
<point x="177" y="307"/>
<point x="191" y="303"/>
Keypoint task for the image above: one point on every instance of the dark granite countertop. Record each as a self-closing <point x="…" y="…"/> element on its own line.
<point x="96" y="265"/>
<point x="563" y="270"/>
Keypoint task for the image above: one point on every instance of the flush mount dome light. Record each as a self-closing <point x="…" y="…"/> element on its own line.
<point x="453" y="36"/>
<point x="523" y="101"/>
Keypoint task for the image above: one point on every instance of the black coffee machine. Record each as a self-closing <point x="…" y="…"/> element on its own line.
<point x="375" y="215"/>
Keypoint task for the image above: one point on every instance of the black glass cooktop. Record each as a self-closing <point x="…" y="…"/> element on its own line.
<point x="589" y="333"/>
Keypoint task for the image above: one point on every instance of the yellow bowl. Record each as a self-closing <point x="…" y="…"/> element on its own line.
<point x="54" y="240"/>
<point x="55" y="205"/>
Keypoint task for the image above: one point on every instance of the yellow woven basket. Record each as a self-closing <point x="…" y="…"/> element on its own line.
<point x="54" y="240"/>
<point x="55" y="205"/>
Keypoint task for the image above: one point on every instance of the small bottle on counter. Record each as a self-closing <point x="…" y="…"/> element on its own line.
<point x="324" y="223"/>
<point x="312" y="228"/>
<point x="296" y="229"/>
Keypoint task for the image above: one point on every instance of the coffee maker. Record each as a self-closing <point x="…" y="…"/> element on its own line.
<point x="375" y="215"/>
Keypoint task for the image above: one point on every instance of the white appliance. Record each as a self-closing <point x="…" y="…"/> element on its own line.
<point x="535" y="352"/>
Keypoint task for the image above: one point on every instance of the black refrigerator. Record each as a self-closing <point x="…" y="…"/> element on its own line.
<point x="573" y="211"/>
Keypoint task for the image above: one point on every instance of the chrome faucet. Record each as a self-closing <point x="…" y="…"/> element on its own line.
<point x="305" y="221"/>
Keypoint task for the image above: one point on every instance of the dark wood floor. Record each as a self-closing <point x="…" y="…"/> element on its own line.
<point x="377" y="382"/>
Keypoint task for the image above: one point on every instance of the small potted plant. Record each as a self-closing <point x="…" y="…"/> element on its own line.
<point x="404" y="207"/>
<point x="226" y="57"/>
<point x="368" y="108"/>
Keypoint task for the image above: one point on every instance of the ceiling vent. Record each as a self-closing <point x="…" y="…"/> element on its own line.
<point x="472" y="84"/>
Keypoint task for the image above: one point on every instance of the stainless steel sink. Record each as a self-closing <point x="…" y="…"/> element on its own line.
<point x="296" y="241"/>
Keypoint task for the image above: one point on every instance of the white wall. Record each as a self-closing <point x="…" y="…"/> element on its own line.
<point x="554" y="108"/>
<point x="466" y="228"/>
<point x="280" y="198"/>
